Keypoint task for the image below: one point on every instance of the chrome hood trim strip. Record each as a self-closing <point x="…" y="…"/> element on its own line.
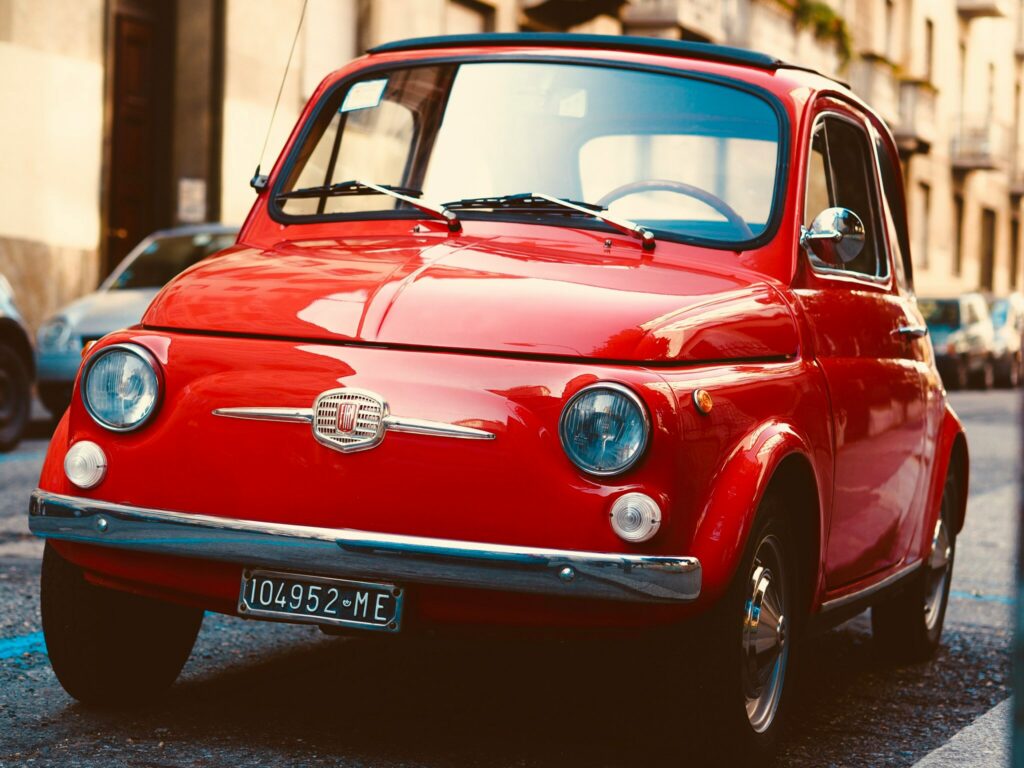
<point x="390" y="423"/>
<point x="367" y="556"/>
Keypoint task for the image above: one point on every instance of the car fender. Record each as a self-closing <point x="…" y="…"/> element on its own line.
<point x="727" y="518"/>
<point x="950" y="442"/>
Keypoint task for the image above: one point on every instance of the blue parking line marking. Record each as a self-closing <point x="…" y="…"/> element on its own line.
<point x="12" y="647"/>
<point x="32" y="455"/>
<point x="1001" y="599"/>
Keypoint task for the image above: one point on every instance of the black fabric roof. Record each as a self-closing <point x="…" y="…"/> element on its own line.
<point x="682" y="48"/>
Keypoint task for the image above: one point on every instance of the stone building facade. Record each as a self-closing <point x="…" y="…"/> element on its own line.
<point x="946" y="76"/>
<point x="124" y="116"/>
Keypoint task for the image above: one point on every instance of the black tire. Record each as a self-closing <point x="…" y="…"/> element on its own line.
<point x="110" y="648"/>
<point x="985" y="378"/>
<point x="956" y="377"/>
<point x="56" y="396"/>
<point x="15" y="397"/>
<point x="1009" y="376"/>
<point x="908" y="626"/>
<point x="730" y="675"/>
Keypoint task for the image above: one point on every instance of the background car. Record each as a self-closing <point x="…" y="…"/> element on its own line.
<point x="1008" y="324"/>
<point x="963" y="338"/>
<point x="16" y="370"/>
<point x="118" y="302"/>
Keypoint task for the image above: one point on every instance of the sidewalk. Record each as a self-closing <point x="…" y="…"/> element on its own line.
<point x="985" y="743"/>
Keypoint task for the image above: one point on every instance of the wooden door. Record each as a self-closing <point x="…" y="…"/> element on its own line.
<point x="140" y="104"/>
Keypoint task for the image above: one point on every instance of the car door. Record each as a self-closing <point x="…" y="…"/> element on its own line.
<point x="867" y="337"/>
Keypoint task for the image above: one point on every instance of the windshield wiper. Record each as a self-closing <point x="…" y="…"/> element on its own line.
<point x="540" y="201"/>
<point x="356" y="187"/>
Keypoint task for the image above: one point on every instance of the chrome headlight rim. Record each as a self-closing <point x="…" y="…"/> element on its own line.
<point x="641" y="407"/>
<point x="143" y="354"/>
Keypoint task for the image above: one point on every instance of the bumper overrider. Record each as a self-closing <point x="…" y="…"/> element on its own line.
<point x="348" y="553"/>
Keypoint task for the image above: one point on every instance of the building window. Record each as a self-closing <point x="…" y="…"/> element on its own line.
<point x="958" y="234"/>
<point x="929" y="50"/>
<point x="890" y="32"/>
<point x="988" y="249"/>
<point x="1014" y="253"/>
<point x="468" y="17"/>
<point x="924" y="217"/>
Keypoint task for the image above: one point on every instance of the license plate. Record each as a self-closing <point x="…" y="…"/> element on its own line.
<point x="319" y="600"/>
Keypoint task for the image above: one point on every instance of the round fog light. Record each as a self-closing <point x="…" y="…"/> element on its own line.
<point x="85" y="464"/>
<point x="635" y="517"/>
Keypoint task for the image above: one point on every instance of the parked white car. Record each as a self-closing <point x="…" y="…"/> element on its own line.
<point x="119" y="302"/>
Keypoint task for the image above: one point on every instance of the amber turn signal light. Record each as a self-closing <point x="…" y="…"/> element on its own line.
<point x="702" y="400"/>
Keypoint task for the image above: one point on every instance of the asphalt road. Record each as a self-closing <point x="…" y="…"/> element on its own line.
<point x="278" y="695"/>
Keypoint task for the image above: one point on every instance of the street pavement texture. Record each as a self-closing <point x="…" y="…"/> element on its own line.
<point x="258" y="694"/>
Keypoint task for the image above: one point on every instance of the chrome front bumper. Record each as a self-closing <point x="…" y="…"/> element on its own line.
<point x="348" y="553"/>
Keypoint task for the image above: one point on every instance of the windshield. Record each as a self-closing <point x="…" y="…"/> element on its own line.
<point x="940" y="312"/>
<point x="672" y="153"/>
<point x="165" y="257"/>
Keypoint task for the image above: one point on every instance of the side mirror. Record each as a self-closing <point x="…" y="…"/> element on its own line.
<point x="836" y="236"/>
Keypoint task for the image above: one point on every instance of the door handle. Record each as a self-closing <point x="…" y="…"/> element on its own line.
<point x="119" y="233"/>
<point x="911" y="332"/>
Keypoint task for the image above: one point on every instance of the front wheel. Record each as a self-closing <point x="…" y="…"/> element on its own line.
<point x="750" y="642"/>
<point x="908" y="627"/>
<point x="15" y="397"/>
<point x="111" y="648"/>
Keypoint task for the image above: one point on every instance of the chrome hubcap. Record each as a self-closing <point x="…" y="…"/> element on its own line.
<point x="938" y="573"/>
<point x="765" y="641"/>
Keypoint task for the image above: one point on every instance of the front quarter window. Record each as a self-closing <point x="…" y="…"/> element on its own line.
<point x="676" y="153"/>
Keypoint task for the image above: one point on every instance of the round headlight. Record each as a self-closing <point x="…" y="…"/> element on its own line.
<point x="121" y="387"/>
<point x="604" y="428"/>
<point x="55" y="334"/>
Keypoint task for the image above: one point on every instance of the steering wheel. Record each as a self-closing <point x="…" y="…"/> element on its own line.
<point x="681" y="188"/>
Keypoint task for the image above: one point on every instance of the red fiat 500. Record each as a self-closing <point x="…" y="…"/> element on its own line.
<point x="547" y="331"/>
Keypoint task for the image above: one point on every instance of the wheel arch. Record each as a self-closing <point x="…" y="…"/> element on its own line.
<point x="952" y="457"/>
<point x="775" y="458"/>
<point x="794" y="481"/>
<point x="959" y="467"/>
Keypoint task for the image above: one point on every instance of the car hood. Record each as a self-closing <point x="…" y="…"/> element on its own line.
<point x="97" y="314"/>
<point x="500" y="295"/>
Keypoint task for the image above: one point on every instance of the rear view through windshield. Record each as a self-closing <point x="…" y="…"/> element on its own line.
<point x="677" y="154"/>
<point x="164" y="257"/>
<point x="940" y="312"/>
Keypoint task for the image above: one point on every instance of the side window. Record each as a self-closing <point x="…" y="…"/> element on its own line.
<point x="818" y="195"/>
<point x="895" y="215"/>
<point x="842" y="148"/>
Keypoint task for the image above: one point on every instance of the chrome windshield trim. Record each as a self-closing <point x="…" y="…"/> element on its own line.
<point x="364" y="555"/>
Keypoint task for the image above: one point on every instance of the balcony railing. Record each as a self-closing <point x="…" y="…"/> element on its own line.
<point x="973" y="9"/>
<point x="702" y="18"/>
<point x="915" y="129"/>
<point x="874" y="79"/>
<point x="979" y="144"/>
